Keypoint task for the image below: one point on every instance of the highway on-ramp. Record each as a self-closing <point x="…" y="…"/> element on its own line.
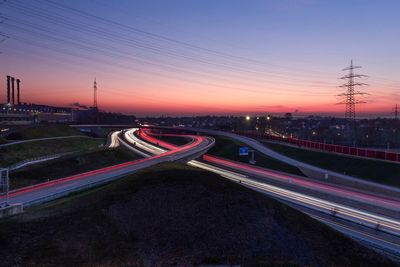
<point x="64" y="186"/>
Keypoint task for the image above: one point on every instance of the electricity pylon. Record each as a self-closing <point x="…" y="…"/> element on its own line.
<point x="350" y="94"/>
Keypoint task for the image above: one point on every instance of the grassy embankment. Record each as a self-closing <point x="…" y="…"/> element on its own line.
<point x="373" y="170"/>
<point x="229" y="148"/>
<point x="174" y="215"/>
<point x="71" y="165"/>
<point x="12" y="154"/>
<point x="43" y="131"/>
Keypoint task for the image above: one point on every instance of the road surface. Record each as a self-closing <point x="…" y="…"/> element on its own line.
<point x="271" y="153"/>
<point x="61" y="187"/>
<point x="353" y="222"/>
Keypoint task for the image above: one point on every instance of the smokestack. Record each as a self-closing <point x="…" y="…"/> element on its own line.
<point x="8" y="89"/>
<point x="12" y="88"/>
<point x="18" y="93"/>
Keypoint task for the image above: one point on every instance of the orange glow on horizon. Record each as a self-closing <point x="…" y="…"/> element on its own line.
<point x="180" y="101"/>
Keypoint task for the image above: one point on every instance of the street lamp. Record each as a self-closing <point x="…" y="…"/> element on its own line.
<point x="247" y="118"/>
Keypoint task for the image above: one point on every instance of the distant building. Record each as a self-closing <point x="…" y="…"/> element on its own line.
<point x="15" y="112"/>
<point x="31" y="113"/>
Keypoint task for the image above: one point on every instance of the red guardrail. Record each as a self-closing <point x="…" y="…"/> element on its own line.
<point x="353" y="151"/>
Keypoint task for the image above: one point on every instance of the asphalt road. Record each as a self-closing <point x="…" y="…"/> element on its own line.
<point x="359" y="219"/>
<point x="354" y="222"/>
<point x="271" y="153"/>
<point x="61" y="187"/>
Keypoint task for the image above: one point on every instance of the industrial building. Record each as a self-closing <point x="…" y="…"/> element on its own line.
<point x="14" y="111"/>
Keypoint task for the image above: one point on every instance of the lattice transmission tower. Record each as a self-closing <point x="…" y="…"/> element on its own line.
<point x="349" y="96"/>
<point x="395" y="112"/>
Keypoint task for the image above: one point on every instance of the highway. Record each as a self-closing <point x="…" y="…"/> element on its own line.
<point x="271" y="153"/>
<point x="64" y="186"/>
<point x="362" y="197"/>
<point x="355" y="222"/>
<point x="256" y="171"/>
<point x="352" y="221"/>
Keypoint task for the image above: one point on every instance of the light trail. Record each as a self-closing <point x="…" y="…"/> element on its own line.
<point x="131" y="138"/>
<point x="61" y="187"/>
<point x="350" y="194"/>
<point x="114" y="139"/>
<point x="371" y="220"/>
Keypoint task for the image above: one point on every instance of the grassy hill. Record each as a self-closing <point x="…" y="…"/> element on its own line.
<point x="43" y="131"/>
<point x="19" y="152"/>
<point x="70" y="165"/>
<point x="369" y="169"/>
<point x="229" y="148"/>
<point x="173" y="215"/>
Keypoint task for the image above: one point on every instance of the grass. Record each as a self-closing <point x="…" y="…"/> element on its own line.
<point x="3" y="141"/>
<point x="175" y="140"/>
<point x="372" y="170"/>
<point x="229" y="148"/>
<point x="12" y="154"/>
<point x="105" y="131"/>
<point x="173" y="215"/>
<point x="43" y="131"/>
<point x="69" y="166"/>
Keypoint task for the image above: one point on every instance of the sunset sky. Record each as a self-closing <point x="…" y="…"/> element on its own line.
<point x="170" y="57"/>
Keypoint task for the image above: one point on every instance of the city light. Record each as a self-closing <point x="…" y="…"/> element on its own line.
<point x="166" y="132"/>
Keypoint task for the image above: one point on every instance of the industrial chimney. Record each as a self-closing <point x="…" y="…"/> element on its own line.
<point x="18" y="93"/>
<point x="8" y="89"/>
<point x="12" y="88"/>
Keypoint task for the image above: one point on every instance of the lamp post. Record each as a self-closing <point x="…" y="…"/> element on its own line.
<point x="4" y="185"/>
<point x="268" y="126"/>
<point x="247" y="122"/>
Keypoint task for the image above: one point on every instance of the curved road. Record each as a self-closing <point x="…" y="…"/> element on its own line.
<point x="271" y="153"/>
<point x="156" y="154"/>
<point x="353" y="222"/>
<point x="61" y="187"/>
<point x="351" y="219"/>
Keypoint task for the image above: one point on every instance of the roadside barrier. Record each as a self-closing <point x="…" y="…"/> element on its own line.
<point x="352" y="151"/>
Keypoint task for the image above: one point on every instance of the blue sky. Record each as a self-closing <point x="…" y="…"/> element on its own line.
<point x="285" y="45"/>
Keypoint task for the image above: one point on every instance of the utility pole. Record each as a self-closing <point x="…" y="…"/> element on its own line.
<point x="349" y="96"/>
<point x="395" y="112"/>
<point x="4" y="186"/>
<point x="95" y="93"/>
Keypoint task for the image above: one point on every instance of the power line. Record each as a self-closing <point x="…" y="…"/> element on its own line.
<point x="114" y="52"/>
<point x="233" y="62"/>
<point x="149" y="46"/>
<point x="172" y="40"/>
<point x="122" y="56"/>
